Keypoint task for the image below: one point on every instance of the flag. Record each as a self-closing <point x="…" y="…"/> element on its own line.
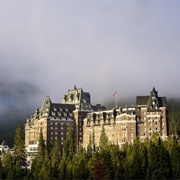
<point x="114" y="93"/>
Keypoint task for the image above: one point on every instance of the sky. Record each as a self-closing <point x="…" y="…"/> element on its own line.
<point x="103" y="46"/>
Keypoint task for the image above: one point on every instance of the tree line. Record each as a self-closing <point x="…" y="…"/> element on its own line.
<point x="152" y="159"/>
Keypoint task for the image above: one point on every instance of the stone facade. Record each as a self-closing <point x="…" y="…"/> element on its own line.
<point x="121" y="125"/>
<point x="126" y="123"/>
<point x="54" y="118"/>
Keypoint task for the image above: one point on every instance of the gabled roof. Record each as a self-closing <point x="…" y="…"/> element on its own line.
<point x="147" y="101"/>
<point x="46" y="103"/>
<point x="77" y="96"/>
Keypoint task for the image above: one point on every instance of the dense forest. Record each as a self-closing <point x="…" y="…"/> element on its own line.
<point x="152" y="159"/>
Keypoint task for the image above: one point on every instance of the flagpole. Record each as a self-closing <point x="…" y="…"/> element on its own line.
<point x="115" y="94"/>
<point x="116" y="100"/>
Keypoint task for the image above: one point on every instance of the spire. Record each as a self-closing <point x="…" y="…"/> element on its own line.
<point x="46" y="103"/>
<point x="154" y="92"/>
<point x="153" y="102"/>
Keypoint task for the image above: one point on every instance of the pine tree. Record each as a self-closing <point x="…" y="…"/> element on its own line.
<point x="62" y="168"/>
<point x="7" y="162"/>
<point x="40" y="158"/>
<point x="41" y="146"/>
<point x="55" y="158"/>
<point x="69" y="143"/>
<point x="80" y="165"/>
<point x="19" y="150"/>
<point x="96" y="166"/>
<point x="103" y="141"/>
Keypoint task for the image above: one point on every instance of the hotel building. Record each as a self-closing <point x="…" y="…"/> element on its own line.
<point x="122" y="125"/>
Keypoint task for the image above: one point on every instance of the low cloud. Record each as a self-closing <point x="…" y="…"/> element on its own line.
<point x="17" y="100"/>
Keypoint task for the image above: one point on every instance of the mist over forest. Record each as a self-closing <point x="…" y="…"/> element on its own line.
<point x="17" y="102"/>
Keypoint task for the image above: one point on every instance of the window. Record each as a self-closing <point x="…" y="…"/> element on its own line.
<point x="62" y="133"/>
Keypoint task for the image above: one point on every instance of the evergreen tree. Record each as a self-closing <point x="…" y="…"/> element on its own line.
<point x="69" y="143"/>
<point x="107" y="162"/>
<point x="1" y="169"/>
<point x="39" y="159"/>
<point x="103" y="141"/>
<point x="7" y="163"/>
<point x="19" y="150"/>
<point x="55" y="159"/>
<point x="80" y="165"/>
<point x="90" y="146"/>
<point x="96" y="166"/>
<point x="62" y="168"/>
<point x="41" y="146"/>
